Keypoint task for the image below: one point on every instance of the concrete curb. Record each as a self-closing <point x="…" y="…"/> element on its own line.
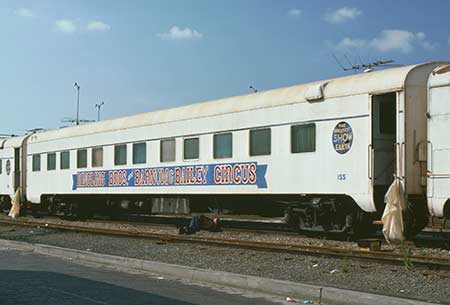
<point x="269" y="286"/>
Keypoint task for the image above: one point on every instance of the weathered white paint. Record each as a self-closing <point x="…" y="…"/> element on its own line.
<point x="438" y="168"/>
<point x="7" y="153"/>
<point x="344" y="99"/>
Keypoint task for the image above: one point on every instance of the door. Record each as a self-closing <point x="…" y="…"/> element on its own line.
<point x="16" y="168"/>
<point x="383" y="145"/>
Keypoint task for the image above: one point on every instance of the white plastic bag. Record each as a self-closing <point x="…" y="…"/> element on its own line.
<point x="15" y="205"/>
<point x="392" y="218"/>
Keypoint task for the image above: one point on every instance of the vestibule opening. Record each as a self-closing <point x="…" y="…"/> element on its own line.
<point x="384" y="131"/>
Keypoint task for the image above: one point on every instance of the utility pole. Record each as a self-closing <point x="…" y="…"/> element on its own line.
<point x="98" y="106"/>
<point x="78" y="103"/>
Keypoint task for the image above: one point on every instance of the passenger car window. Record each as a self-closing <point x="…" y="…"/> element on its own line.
<point x="82" y="158"/>
<point x="51" y="161"/>
<point x="120" y="154"/>
<point x="36" y="163"/>
<point x="303" y="138"/>
<point x="223" y="145"/>
<point x="167" y="150"/>
<point x="64" y="161"/>
<point x="260" y="142"/>
<point x="139" y="153"/>
<point x="97" y="157"/>
<point x="191" y="148"/>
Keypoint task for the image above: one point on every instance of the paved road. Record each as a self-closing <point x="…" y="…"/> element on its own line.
<point x="31" y="279"/>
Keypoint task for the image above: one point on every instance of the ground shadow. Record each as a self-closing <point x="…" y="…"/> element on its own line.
<point x="48" y="288"/>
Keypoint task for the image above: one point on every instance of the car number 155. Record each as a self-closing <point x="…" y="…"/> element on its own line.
<point x="341" y="177"/>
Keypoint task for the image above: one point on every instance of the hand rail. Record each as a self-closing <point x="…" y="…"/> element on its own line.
<point x="402" y="161"/>
<point x="429" y="157"/>
<point x="370" y="162"/>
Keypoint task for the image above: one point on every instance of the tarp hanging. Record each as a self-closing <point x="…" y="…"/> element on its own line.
<point x="15" y="205"/>
<point x="393" y="229"/>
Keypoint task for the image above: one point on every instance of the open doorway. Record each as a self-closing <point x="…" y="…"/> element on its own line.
<point x="384" y="123"/>
<point x="16" y="169"/>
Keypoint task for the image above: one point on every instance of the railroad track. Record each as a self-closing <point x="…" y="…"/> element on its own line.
<point x="378" y="256"/>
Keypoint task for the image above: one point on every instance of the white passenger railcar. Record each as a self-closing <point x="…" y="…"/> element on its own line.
<point x="327" y="151"/>
<point x="438" y="184"/>
<point x="10" y="168"/>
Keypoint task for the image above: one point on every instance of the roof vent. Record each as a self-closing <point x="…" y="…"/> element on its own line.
<point x="314" y="93"/>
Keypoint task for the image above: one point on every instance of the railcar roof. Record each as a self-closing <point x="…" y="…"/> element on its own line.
<point x="440" y="76"/>
<point x="383" y="80"/>
<point x="13" y="142"/>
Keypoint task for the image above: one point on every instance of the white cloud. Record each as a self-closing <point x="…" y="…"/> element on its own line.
<point x="421" y="39"/>
<point x="295" y="12"/>
<point x="390" y="41"/>
<point x="65" y="26"/>
<point x="342" y="14"/>
<point x="24" y="12"/>
<point x="400" y="40"/>
<point x="176" y="33"/>
<point x="98" y="26"/>
<point x="350" y="43"/>
<point x="394" y="40"/>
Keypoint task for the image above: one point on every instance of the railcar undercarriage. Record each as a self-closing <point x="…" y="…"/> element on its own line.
<point x="328" y="214"/>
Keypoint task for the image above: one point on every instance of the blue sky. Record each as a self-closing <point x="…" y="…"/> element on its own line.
<point x="143" y="55"/>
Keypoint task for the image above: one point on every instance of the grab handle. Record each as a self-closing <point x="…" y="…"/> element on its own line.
<point x="429" y="157"/>
<point x="370" y="161"/>
<point x="402" y="160"/>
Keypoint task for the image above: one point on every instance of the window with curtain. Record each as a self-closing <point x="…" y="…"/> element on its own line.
<point x="191" y="148"/>
<point x="97" y="157"/>
<point x="36" y="163"/>
<point x="82" y="158"/>
<point x="223" y="145"/>
<point x="139" y="153"/>
<point x="167" y="150"/>
<point x="260" y="142"/>
<point x="51" y="161"/>
<point x="64" y="160"/>
<point x="120" y="154"/>
<point x="303" y="138"/>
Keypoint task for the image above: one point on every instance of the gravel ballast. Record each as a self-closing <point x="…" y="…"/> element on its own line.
<point x="429" y="285"/>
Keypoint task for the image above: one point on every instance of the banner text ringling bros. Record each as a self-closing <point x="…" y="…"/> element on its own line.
<point x="242" y="173"/>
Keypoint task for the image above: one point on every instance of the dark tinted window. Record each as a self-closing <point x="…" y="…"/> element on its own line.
<point x="82" y="158"/>
<point x="51" y="161"/>
<point x="303" y="138"/>
<point x="191" y="148"/>
<point x="36" y="163"/>
<point x="64" y="161"/>
<point x="139" y="153"/>
<point x="223" y="145"/>
<point x="260" y="142"/>
<point x="120" y="154"/>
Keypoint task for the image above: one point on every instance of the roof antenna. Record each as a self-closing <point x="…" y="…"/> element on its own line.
<point x="369" y="67"/>
<point x="254" y="89"/>
<point x="338" y="62"/>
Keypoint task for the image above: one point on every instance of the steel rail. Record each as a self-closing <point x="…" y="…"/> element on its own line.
<point x="378" y="256"/>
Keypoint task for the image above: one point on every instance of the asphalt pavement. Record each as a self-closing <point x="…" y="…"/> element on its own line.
<point x="29" y="278"/>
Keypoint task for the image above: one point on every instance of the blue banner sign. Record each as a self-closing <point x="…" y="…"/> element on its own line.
<point x="243" y="173"/>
